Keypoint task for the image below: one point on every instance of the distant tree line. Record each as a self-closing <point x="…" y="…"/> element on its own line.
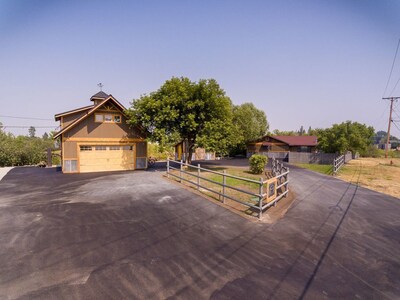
<point x="24" y="150"/>
<point x="381" y="138"/>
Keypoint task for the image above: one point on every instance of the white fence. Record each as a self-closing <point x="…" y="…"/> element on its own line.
<point x="340" y="160"/>
<point x="338" y="163"/>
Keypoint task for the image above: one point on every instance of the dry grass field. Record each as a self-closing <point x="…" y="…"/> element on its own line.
<point x="377" y="174"/>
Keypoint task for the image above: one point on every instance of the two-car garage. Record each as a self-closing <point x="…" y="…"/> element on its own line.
<point x="101" y="157"/>
<point x="97" y="158"/>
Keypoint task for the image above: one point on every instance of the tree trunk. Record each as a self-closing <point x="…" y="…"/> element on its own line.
<point x="191" y="148"/>
<point x="188" y="150"/>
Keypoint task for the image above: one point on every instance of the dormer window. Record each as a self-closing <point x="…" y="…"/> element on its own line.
<point x="107" y="118"/>
<point x="98" y="118"/>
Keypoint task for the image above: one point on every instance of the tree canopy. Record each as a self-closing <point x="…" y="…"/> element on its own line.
<point x="283" y="132"/>
<point x="23" y="150"/>
<point x="300" y="132"/>
<point x="198" y="113"/>
<point x="346" y="136"/>
<point x="251" y="123"/>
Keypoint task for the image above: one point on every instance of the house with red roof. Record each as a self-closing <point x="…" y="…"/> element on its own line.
<point x="281" y="146"/>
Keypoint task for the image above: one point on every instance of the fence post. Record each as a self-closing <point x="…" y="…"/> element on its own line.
<point x="198" y="176"/>
<point x="223" y="186"/>
<point x="273" y="166"/>
<point x="180" y="172"/>
<point x="49" y="160"/>
<point x="287" y="184"/>
<point x="168" y="167"/>
<point x="334" y="165"/>
<point x="260" y="204"/>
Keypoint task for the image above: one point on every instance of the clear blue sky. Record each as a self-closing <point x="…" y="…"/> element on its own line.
<point x="310" y="63"/>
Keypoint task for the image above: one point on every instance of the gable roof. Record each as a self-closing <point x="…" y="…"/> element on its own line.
<point x="70" y="112"/>
<point x="90" y="112"/>
<point x="100" y="95"/>
<point x="303" y="140"/>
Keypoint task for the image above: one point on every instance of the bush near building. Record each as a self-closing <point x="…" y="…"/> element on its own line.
<point x="257" y="163"/>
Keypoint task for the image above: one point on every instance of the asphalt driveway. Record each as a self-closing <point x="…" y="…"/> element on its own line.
<point x="136" y="235"/>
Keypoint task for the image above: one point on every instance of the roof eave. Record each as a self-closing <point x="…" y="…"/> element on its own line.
<point x="70" y="112"/>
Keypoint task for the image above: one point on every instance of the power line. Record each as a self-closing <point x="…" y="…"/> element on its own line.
<point x="27" y="118"/>
<point x="391" y="70"/>
<point x="395" y="112"/>
<point x="396" y="126"/>
<point x="395" y="86"/>
<point x="12" y="126"/>
<point x="384" y="112"/>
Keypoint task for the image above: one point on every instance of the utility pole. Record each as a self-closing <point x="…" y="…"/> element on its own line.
<point x="391" y="99"/>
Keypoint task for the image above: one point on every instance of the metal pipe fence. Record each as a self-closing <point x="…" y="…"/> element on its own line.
<point x="276" y="187"/>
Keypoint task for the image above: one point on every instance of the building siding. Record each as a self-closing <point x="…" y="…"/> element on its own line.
<point x="89" y="128"/>
<point x="68" y="119"/>
<point x="70" y="150"/>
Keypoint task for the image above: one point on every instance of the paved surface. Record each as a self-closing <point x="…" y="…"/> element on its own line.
<point x="135" y="235"/>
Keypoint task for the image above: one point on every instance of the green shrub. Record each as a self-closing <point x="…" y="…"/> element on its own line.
<point x="160" y="152"/>
<point x="374" y="152"/>
<point x="257" y="163"/>
<point x="22" y="150"/>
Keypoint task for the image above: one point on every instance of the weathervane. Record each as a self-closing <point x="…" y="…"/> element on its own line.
<point x="100" y="85"/>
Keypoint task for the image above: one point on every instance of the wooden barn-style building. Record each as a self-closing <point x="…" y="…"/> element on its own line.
<point x="198" y="153"/>
<point x="279" y="146"/>
<point x="97" y="138"/>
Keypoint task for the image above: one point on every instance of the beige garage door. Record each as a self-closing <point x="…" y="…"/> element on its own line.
<point x="97" y="158"/>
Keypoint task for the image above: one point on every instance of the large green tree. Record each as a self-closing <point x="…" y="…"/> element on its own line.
<point x="197" y="113"/>
<point x="251" y="124"/>
<point x="347" y="136"/>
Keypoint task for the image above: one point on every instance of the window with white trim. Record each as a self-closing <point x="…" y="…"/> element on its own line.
<point x="86" y="148"/>
<point x="100" y="148"/>
<point x="107" y="118"/>
<point x="98" y="118"/>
